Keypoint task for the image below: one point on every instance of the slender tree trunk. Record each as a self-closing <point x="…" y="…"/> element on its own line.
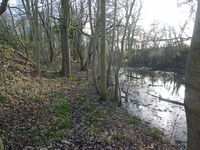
<point x="36" y="33"/>
<point x="93" y="45"/>
<point x="26" y="4"/>
<point x="110" y="61"/>
<point x="47" y="29"/>
<point x="116" y="87"/>
<point x="103" y="50"/>
<point x="66" y="64"/>
<point x="192" y="92"/>
<point x="120" y="57"/>
<point x="112" y="52"/>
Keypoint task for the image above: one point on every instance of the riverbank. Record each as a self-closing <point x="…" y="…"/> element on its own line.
<point x="55" y="113"/>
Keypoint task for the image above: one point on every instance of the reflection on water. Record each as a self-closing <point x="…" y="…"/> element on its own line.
<point x="157" y="98"/>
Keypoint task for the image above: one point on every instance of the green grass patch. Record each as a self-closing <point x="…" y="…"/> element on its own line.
<point x="97" y="130"/>
<point x="135" y="120"/>
<point x="62" y="113"/>
<point x="121" y="137"/>
<point x="102" y="98"/>
<point x="154" y="132"/>
<point x="4" y="97"/>
<point x="80" y="99"/>
<point x="72" y="78"/>
<point x="95" y="113"/>
<point x="39" y="97"/>
<point x="61" y="122"/>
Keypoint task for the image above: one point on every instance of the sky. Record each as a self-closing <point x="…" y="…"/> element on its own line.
<point x="165" y="12"/>
<point x="162" y="11"/>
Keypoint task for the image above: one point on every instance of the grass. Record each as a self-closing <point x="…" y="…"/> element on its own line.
<point x="154" y="132"/>
<point x="39" y="97"/>
<point x="4" y="97"/>
<point x="94" y="113"/>
<point x="80" y="99"/>
<point x="135" y="120"/>
<point x="61" y="111"/>
<point x="72" y="78"/>
<point x="97" y="112"/>
<point x="119" y="136"/>
<point x="59" y="126"/>
<point x="102" y="98"/>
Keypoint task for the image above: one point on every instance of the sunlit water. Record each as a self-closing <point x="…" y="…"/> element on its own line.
<point x="153" y="98"/>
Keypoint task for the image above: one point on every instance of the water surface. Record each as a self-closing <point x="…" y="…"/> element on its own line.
<point x="157" y="98"/>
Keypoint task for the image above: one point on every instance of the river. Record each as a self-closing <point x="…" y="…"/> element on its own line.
<point x="157" y="98"/>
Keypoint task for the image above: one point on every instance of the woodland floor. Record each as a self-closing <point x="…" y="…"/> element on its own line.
<point x="40" y="113"/>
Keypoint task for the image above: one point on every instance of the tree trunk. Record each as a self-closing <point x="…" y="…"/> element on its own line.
<point x="1" y="144"/>
<point x="93" y="46"/>
<point x="3" y="6"/>
<point x="192" y="92"/>
<point x="66" y="64"/>
<point x="103" y="50"/>
<point x="36" y="33"/>
<point x="116" y="96"/>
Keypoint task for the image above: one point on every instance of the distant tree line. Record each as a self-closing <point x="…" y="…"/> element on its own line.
<point x="163" y="58"/>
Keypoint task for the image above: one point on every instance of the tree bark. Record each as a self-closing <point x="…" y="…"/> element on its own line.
<point x="36" y="34"/>
<point x="103" y="50"/>
<point x="66" y="64"/>
<point x="192" y="92"/>
<point x="93" y="45"/>
<point x="3" y="6"/>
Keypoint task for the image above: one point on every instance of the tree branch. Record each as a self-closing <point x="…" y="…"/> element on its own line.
<point x="80" y="31"/>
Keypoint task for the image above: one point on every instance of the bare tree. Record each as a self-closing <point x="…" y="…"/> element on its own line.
<point x="121" y="49"/>
<point x="93" y="43"/>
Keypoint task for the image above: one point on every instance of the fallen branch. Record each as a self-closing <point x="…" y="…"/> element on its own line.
<point x="167" y="100"/>
<point x="155" y="85"/>
<point x="132" y="77"/>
